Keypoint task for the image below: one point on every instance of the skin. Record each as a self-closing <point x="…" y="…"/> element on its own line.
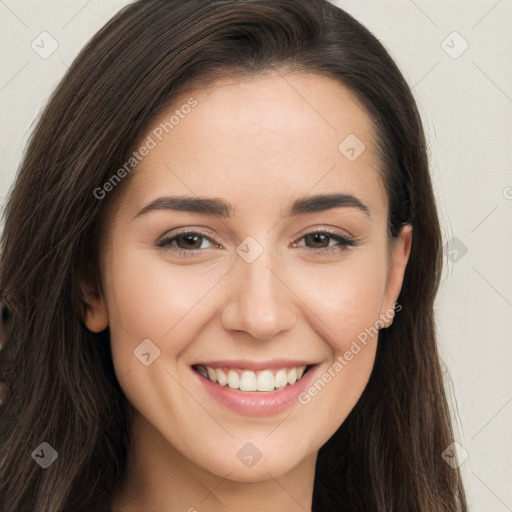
<point x="258" y="144"/>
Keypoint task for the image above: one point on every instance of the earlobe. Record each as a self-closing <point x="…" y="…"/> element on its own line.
<point x="400" y="252"/>
<point x="94" y="312"/>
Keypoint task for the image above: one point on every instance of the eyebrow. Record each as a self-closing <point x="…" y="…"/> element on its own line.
<point x="221" y="208"/>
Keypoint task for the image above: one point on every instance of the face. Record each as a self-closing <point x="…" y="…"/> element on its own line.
<point x="216" y="308"/>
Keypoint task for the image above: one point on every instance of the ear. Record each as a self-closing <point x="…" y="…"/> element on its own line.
<point x="398" y="257"/>
<point x="94" y="311"/>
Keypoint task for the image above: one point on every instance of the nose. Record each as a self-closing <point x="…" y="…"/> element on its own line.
<point x="260" y="301"/>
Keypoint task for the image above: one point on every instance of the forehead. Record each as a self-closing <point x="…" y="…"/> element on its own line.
<point x="263" y="138"/>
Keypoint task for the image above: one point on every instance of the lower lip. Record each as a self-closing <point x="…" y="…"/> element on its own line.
<point x="259" y="403"/>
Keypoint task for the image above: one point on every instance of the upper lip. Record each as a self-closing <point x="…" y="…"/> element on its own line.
<point x="274" y="364"/>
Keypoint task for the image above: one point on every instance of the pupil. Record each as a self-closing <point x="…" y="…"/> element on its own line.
<point x="188" y="239"/>
<point x="319" y="238"/>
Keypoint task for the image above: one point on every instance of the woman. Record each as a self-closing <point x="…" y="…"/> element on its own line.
<point x="219" y="263"/>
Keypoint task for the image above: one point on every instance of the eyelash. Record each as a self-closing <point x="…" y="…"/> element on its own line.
<point x="343" y="242"/>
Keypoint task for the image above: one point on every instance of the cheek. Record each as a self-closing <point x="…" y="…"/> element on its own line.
<point x="343" y="305"/>
<point x="343" y="299"/>
<point x="149" y="298"/>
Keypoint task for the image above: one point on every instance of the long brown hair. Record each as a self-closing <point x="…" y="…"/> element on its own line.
<point x="386" y="456"/>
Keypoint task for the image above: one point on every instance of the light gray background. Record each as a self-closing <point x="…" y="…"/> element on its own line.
<point x="466" y="105"/>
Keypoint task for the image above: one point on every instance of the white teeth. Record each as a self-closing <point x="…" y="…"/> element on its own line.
<point x="233" y="380"/>
<point x="265" y="381"/>
<point x="222" y="378"/>
<point x="280" y="379"/>
<point x="247" y="380"/>
<point x="212" y="375"/>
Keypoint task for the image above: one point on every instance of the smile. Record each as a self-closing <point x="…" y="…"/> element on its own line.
<point x="253" y="381"/>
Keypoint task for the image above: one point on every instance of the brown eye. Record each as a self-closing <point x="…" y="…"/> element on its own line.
<point x="186" y="242"/>
<point x="318" y="240"/>
<point x="189" y="241"/>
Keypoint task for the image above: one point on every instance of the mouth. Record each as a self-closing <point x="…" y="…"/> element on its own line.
<point x="255" y="389"/>
<point x="263" y="380"/>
